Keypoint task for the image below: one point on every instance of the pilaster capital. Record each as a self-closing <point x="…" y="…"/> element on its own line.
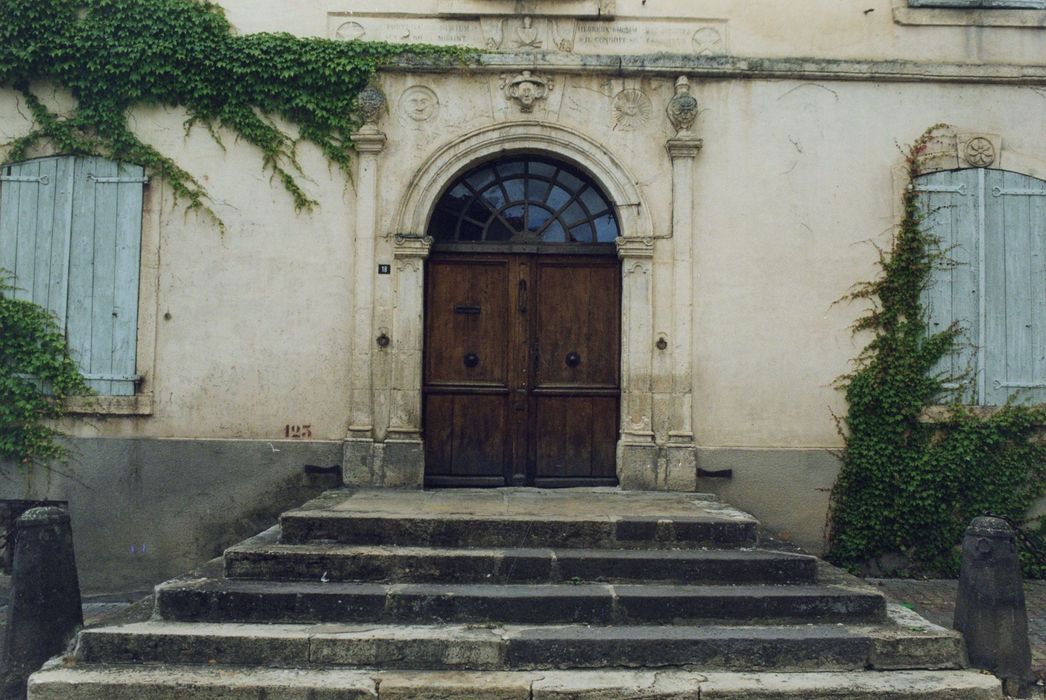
<point x="369" y="140"/>
<point x="632" y="247"/>
<point x="409" y="245"/>
<point x="684" y="147"/>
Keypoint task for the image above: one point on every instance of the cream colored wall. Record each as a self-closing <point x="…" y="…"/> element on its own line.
<point x="793" y="178"/>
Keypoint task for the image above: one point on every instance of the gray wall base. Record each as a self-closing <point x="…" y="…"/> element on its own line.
<point x="145" y="510"/>
<point x="787" y="489"/>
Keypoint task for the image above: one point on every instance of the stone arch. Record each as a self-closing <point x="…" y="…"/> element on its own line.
<point x="453" y="159"/>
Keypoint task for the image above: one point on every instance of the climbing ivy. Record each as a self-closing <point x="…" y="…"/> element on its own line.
<point x="36" y="377"/>
<point x="908" y="485"/>
<point x="114" y="55"/>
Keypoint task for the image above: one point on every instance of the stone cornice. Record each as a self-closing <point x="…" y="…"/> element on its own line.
<point x="730" y="67"/>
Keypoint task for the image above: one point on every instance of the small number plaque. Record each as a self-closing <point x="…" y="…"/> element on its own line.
<point x="384" y="269"/>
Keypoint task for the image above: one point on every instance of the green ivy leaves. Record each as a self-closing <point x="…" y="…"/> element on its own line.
<point x="36" y="377"/>
<point x="907" y="485"/>
<point x="116" y="54"/>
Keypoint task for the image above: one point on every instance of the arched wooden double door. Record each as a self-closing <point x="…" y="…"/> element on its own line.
<point x="522" y="330"/>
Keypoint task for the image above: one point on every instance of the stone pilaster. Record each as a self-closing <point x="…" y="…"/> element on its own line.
<point x="680" y="457"/>
<point x="636" y="450"/>
<point x="358" y="459"/>
<point x="401" y="461"/>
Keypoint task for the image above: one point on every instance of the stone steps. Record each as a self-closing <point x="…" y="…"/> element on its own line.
<point x="521" y="647"/>
<point x="584" y="603"/>
<point x="516" y="593"/>
<point x="264" y="558"/>
<point x="560" y="520"/>
<point x="238" y="683"/>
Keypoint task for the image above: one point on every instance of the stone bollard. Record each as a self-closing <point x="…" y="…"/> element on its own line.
<point x="990" y="610"/>
<point x="44" y="611"/>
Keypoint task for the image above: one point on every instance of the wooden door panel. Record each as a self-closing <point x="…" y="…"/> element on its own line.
<point x="578" y="313"/>
<point x="466" y="435"/>
<point x="575" y="437"/>
<point x="468" y="314"/>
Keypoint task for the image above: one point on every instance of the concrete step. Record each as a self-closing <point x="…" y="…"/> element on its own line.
<point x="219" y="600"/>
<point x="519" y="647"/>
<point x="264" y="558"/>
<point x="512" y="518"/>
<point x="209" y="683"/>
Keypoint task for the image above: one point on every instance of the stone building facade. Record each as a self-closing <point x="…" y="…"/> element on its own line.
<point x="750" y="156"/>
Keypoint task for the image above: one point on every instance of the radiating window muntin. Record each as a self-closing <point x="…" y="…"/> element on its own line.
<point x="524" y="199"/>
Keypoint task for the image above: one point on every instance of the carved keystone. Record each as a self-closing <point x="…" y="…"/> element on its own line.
<point x="526" y="89"/>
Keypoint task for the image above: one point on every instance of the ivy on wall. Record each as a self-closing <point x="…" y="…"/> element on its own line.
<point x="114" y="55"/>
<point x="908" y="485"/>
<point x="36" y="377"/>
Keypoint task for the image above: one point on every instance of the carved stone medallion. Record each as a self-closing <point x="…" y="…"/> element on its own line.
<point x="419" y="103"/>
<point x="682" y="110"/>
<point x="708" y="41"/>
<point x="632" y="110"/>
<point x="979" y="152"/>
<point x="349" y="31"/>
<point x="526" y="89"/>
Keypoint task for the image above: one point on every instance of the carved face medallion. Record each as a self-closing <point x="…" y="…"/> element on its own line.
<point x="419" y="103"/>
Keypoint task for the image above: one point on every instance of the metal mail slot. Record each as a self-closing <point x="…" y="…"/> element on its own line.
<point x="467" y="309"/>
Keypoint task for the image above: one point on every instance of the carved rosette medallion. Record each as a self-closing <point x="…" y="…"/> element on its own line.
<point x="526" y="89"/>
<point x="632" y="110"/>
<point x="682" y="109"/>
<point x="371" y="101"/>
<point x="419" y="103"/>
<point x="979" y="152"/>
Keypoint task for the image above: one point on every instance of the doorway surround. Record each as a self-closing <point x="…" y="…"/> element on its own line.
<point x="393" y="455"/>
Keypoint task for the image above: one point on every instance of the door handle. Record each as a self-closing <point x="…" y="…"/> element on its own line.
<point x="573" y="359"/>
<point x="522" y="287"/>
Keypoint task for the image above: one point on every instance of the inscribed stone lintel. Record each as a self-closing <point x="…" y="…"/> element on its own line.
<point x="570" y="8"/>
<point x="535" y="33"/>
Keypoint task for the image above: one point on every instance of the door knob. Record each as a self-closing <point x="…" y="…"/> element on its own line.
<point x="471" y="359"/>
<point x="573" y="359"/>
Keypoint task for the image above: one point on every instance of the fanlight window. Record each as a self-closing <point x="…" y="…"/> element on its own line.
<point x="524" y="200"/>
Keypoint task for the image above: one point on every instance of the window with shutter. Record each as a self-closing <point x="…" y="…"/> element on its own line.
<point x="70" y="232"/>
<point x="992" y="229"/>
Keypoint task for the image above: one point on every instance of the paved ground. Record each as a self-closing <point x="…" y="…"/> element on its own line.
<point x="935" y="600"/>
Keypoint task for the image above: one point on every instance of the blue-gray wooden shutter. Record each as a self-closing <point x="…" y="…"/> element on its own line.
<point x="35" y="222"/>
<point x="1015" y="297"/>
<point x="949" y="202"/>
<point x="105" y="242"/>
